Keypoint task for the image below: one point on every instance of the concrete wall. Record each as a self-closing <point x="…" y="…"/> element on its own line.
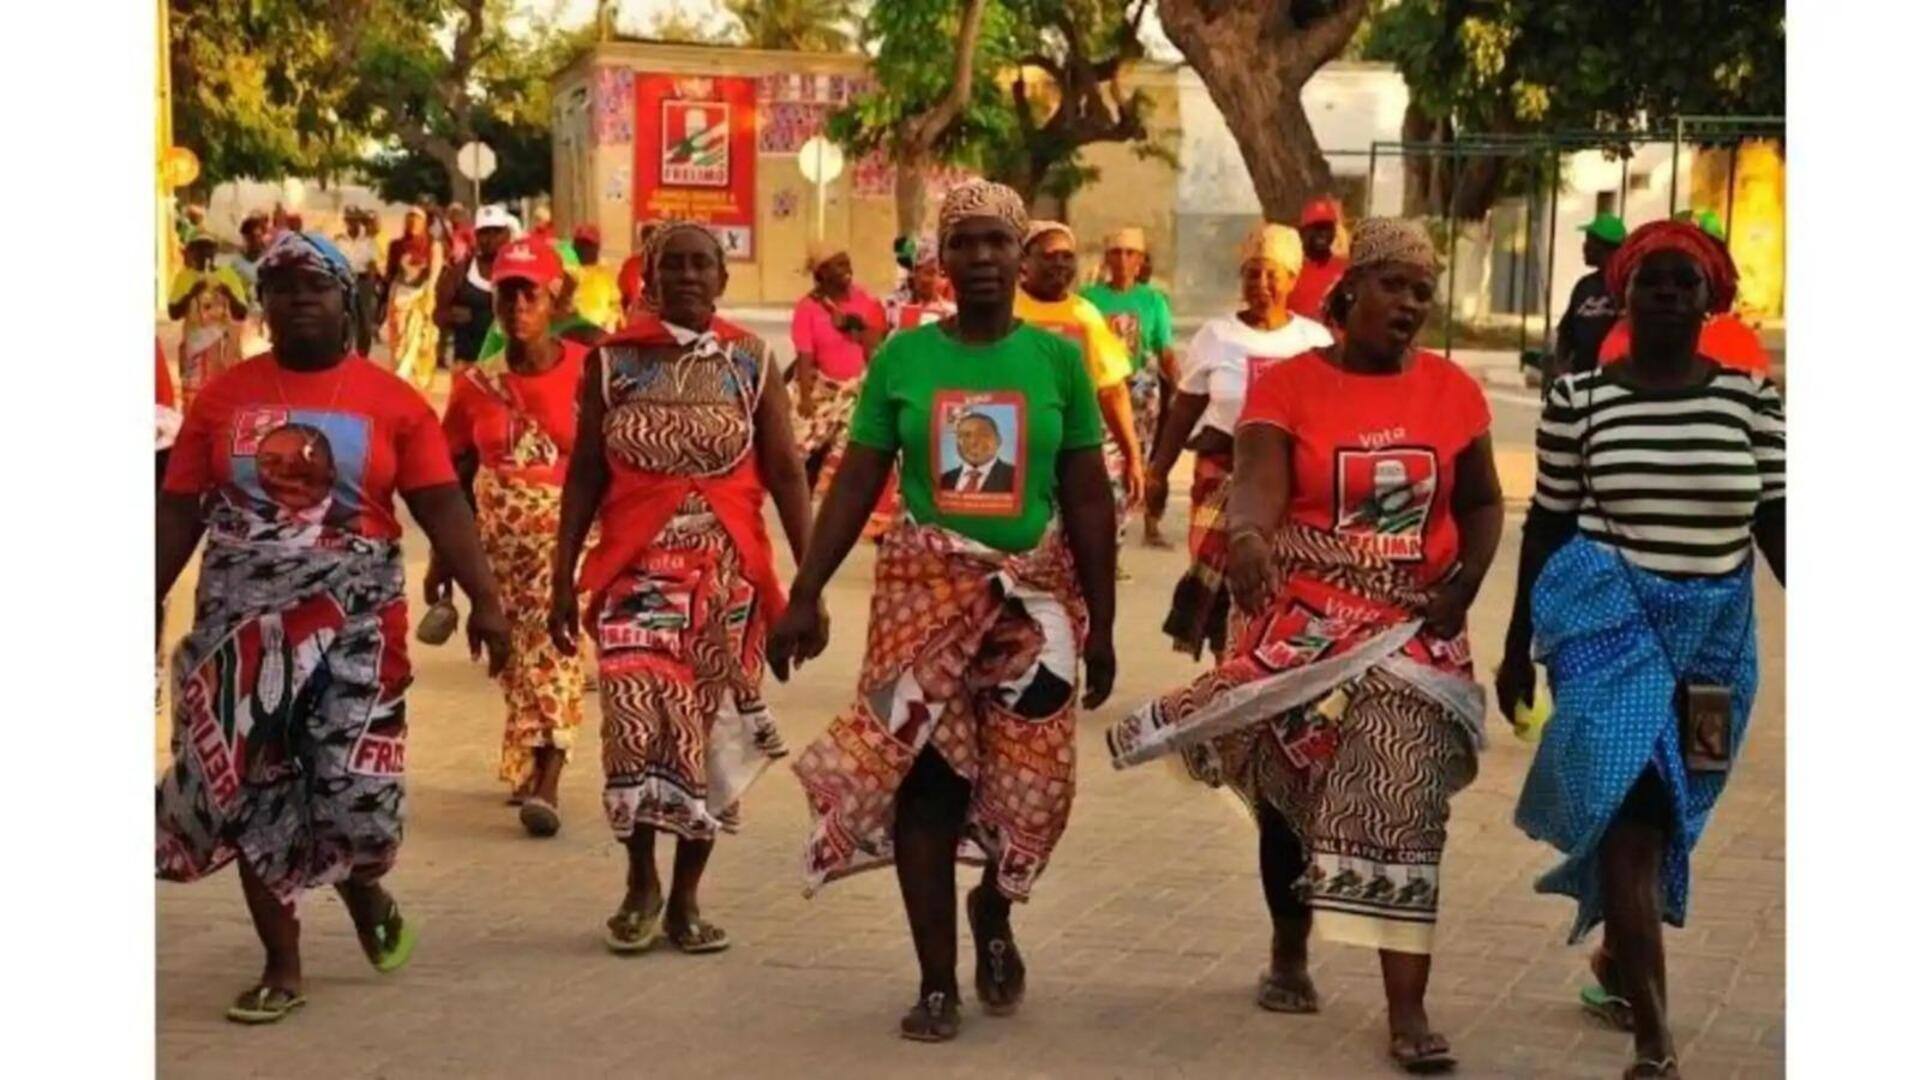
<point x="1194" y="214"/>
<point x="593" y="175"/>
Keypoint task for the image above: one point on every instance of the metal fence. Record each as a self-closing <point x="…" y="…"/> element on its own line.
<point x="1544" y="157"/>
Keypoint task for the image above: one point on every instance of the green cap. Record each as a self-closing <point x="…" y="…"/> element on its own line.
<point x="1711" y="224"/>
<point x="569" y="258"/>
<point x="1607" y="227"/>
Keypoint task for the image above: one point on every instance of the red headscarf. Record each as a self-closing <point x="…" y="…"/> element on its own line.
<point x="1687" y="239"/>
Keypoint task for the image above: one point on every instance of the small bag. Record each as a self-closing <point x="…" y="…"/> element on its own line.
<point x="438" y="624"/>
<point x="1706" y="726"/>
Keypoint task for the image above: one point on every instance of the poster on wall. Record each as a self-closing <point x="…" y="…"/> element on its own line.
<point x="694" y="147"/>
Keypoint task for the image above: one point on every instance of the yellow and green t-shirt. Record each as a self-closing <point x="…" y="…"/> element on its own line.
<point x="1077" y="320"/>
<point x="979" y="429"/>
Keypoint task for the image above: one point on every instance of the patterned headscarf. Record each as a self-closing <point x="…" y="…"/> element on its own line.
<point x="982" y="198"/>
<point x="1723" y="279"/>
<point x="1277" y="244"/>
<point x="657" y="243"/>
<point x="1392" y="240"/>
<point x="308" y="251"/>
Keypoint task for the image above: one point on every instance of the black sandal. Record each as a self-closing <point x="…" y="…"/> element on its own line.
<point x="999" y="975"/>
<point x="1281" y="996"/>
<point x="1421" y="1055"/>
<point x="934" y="1018"/>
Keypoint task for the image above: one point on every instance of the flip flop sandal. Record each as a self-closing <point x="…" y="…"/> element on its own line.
<point x="1666" y="1068"/>
<point x="934" y="1018"/>
<point x="539" y="817"/>
<point x="392" y="949"/>
<point x="264" y="1005"/>
<point x="1406" y="1052"/>
<point x="1615" y="1012"/>
<point x="1275" y="996"/>
<point x="1000" y="976"/>
<point x="630" y="931"/>
<point x="699" y="936"/>
<point x="1600" y="1001"/>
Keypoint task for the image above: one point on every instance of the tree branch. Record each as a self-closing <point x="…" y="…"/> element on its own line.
<point x="921" y="134"/>
<point x="1323" y="39"/>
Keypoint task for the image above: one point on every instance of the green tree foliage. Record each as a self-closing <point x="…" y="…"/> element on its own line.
<point x="1512" y="66"/>
<point x="1023" y="130"/>
<point x="1082" y="47"/>
<point x="800" y="25"/>
<point x="391" y="88"/>
<point x="258" y="85"/>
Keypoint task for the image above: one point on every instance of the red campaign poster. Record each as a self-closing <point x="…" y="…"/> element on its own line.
<point x="694" y="147"/>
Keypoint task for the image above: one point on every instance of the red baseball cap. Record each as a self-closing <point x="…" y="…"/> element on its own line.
<point x="1321" y="211"/>
<point x="587" y="234"/>
<point x="527" y="260"/>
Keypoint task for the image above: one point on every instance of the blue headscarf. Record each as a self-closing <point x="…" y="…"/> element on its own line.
<point x="308" y="251"/>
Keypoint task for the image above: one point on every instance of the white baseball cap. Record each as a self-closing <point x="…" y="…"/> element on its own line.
<point x="495" y="216"/>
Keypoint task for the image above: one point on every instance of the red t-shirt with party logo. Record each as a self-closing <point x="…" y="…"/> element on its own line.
<point x="1374" y="455"/>
<point x="308" y="456"/>
<point x="491" y="415"/>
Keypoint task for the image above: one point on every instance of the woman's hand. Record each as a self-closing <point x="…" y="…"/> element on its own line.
<point x="438" y="584"/>
<point x="1100" y="664"/>
<point x="1514" y="683"/>
<point x="1446" y="613"/>
<point x="799" y="636"/>
<point x="1249" y="570"/>
<point x="487" y="629"/>
<point x="563" y="616"/>
<point x="1136" y="482"/>
<point x="1156" y="493"/>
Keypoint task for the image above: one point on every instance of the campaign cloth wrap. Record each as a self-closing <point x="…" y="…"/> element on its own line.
<point x="1337" y="709"/>
<point x="968" y="651"/>
<point x="681" y="586"/>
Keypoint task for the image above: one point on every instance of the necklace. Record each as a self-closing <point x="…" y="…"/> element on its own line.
<point x="310" y="439"/>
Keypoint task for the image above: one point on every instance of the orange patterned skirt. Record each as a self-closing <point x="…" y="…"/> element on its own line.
<point x="975" y="653"/>
<point x="545" y="688"/>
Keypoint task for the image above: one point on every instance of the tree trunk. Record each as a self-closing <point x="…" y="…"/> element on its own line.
<point x="909" y="192"/>
<point x="1254" y="59"/>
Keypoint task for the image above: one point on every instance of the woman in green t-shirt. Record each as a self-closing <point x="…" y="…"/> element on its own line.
<point x="989" y="594"/>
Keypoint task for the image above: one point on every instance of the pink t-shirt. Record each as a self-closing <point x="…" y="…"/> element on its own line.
<point x="837" y="356"/>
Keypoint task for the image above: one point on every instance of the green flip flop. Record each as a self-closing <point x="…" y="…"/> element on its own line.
<point x="1609" y="1009"/>
<point x="393" y="950"/>
<point x="264" y="1005"/>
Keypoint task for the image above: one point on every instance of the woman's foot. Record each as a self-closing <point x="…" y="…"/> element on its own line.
<point x="692" y="935"/>
<point x="265" y="1003"/>
<point x="539" y="817"/>
<point x="388" y="940"/>
<point x="1421" y="1053"/>
<point x="934" y="1018"/>
<point x="1154" y="539"/>
<point x="635" y="928"/>
<point x="1287" y="989"/>
<point x="999" y="975"/>
<point x="1667" y="1068"/>
<point x="1605" y="1001"/>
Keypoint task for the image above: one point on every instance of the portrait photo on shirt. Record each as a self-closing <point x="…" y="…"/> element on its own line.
<point x="300" y="465"/>
<point x="977" y="447"/>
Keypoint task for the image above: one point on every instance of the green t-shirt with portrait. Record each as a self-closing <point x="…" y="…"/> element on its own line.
<point x="979" y="429"/>
<point x="1140" y="316"/>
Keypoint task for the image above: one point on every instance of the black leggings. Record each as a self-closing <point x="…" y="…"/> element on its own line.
<point x="1282" y="862"/>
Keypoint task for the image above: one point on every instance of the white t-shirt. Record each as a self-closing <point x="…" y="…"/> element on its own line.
<point x="1216" y="361"/>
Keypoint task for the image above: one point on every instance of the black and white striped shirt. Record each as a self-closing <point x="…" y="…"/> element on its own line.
<point x="1678" y="473"/>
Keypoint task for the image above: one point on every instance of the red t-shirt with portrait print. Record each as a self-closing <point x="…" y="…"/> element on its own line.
<point x="489" y="414"/>
<point x="1374" y="455"/>
<point x="325" y="449"/>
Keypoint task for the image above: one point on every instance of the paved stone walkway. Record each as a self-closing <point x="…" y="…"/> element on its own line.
<point x="1144" y="939"/>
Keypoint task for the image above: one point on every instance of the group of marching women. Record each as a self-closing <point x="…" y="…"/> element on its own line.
<point x="1346" y="512"/>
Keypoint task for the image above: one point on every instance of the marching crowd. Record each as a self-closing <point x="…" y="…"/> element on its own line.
<point x="596" y="488"/>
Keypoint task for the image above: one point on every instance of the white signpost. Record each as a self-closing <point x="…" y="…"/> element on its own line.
<point x="821" y="162"/>
<point x="477" y="162"/>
